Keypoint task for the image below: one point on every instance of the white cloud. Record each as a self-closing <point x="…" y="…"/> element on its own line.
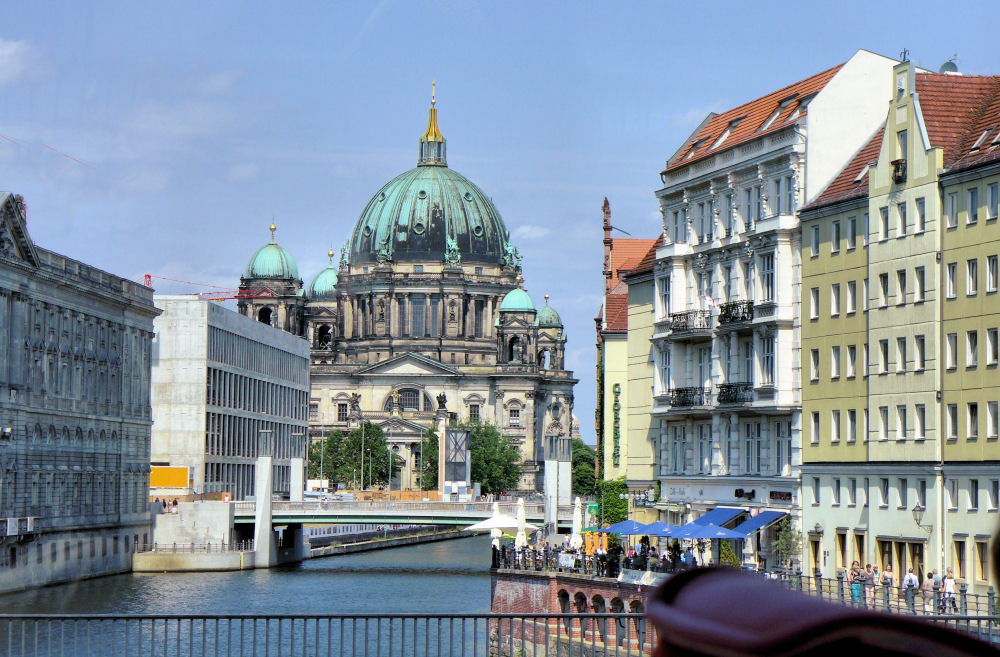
<point x="18" y="59"/>
<point x="243" y="172"/>
<point x="531" y="232"/>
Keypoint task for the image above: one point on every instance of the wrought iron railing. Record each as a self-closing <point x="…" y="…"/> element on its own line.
<point x="734" y="312"/>
<point x="689" y="396"/>
<point x="691" y="320"/>
<point x="189" y="548"/>
<point x="734" y="393"/>
<point x="368" y="635"/>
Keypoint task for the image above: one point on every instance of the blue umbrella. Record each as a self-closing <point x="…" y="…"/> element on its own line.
<point x="660" y="529"/>
<point x="625" y="528"/>
<point x="694" y="530"/>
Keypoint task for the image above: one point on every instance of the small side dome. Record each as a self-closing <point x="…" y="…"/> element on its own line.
<point x="324" y="286"/>
<point x="547" y="316"/>
<point x="517" y="301"/>
<point x="272" y="261"/>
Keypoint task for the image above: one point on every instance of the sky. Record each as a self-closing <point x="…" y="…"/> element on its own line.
<point x="162" y="138"/>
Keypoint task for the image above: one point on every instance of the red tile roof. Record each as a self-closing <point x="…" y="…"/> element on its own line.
<point x="646" y="264"/>
<point x="953" y="106"/>
<point x="625" y="254"/>
<point x="752" y="116"/>
<point x="616" y="313"/>
<point x="849" y="184"/>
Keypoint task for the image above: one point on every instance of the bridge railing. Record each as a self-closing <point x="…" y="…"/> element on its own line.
<point x="369" y="635"/>
<point x="188" y="548"/>
<point x="483" y="509"/>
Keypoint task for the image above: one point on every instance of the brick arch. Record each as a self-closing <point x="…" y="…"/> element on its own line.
<point x="580" y="605"/>
<point x="598" y="607"/>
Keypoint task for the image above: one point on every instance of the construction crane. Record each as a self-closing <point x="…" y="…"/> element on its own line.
<point x="219" y="294"/>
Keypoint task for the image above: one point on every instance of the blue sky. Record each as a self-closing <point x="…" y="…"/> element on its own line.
<point x="162" y="137"/>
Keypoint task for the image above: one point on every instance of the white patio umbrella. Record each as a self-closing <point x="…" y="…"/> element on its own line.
<point x="521" y="538"/>
<point x="501" y="521"/>
<point x="575" y="538"/>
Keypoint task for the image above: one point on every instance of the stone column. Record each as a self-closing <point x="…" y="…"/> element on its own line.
<point x="427" y="313"/>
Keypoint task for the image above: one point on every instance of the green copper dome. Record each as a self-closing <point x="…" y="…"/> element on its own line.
<point x="517" y="301"/>
<point x="324" y="286"/>
<point x="272" y="261"/>
<point x="431" y="213"/>
<point x="547" y="316"/>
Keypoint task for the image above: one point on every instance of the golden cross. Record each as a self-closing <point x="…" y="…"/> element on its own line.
<point x="433" y="100"/>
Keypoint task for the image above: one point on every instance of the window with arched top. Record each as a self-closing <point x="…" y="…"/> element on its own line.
<point x="324" y="335"/>
<point x="264" y="316"/>
<point x="543" y="358"/>
<point x="410" y="399"/>
<point x="515" y="350"/>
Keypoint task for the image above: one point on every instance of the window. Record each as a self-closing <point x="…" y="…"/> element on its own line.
<point x="864" y="358"/>
<point x="994" y="494"/>
<point x="950" y="209"/>
<point x="883" y="285"/>
<point x="901" y="286"/>
<point x="474" y="412"/>
<point x="835" y="491"/>
<point x="663" y="284"/>
<point x="973" y="495"/>
<point x="992" y="420"/>
<point x="960" y="559"/>
<point x="953" y="494"/>
<point x="992" y="200"/>
<point x="972" y="205"/>
<point x="952" y="411"/>
<point x="883" y="226"/>
<point x="992" y="346"/>
<point x="951" y="351"/>
<point x="864" y="295"/>
<point x="852" y="425"/>
<point x="852" y="232"/>
<point x="971" y="349"/>
<point x="922" y="493"/>
<point x="514" y="417"/>
<point x="852" y="357"/>
<point x="777" y="196"/>
<point x="814" y="303"/>
<point x="920" y="347"/>
<point x="901" y="422"/>
<point x="767" y="363"/>
<point x="852" y="491"/>
<point x="883" y="412"/>
<point x="920" y="421"/>
<point x="342" y="412"/>
<point x="901" y="354"/>
<point x="883" y="351"/>
<point x="902" y="491"/>
<point x="991" y="273"/>
<point x="901" y="216"/>
<point x="864" y="233"/>
<point x="789" y="195"/>
<point x="835" y="300"/>
<point x="921" y="290"/>
<point x="730" y="227"/>
<point x="852" y="297"/>
<point x="883" y="489"/>
<point x="835" y="237"/>
<point x="951" y="271"/>
<point x="921" y="215"/>
<point x="814" y="245"/>
<point x="972" y="420"/>
<point x="834" y="426"/>
<point x="901" y="144"/>
<point x="982" y="561"/>
<point x="835" y="362"/>
<point x="814" y="362"/>
<point x="864" y="434"/>
<point x="748" y="209"/>
<point x="971" y="277"/>
<point x="815" y="427"/>
<point x="767" y="275"/>
<point x="815" y="488"/>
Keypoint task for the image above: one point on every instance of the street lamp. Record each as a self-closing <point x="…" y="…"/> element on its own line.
<point x="918" y="516"/>
<point x="369" y="466"/>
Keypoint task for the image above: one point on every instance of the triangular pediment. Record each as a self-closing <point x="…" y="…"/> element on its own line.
<point x="408" y="364"/>
<point x="518" y="322"/>
<point x="401" y="426"/>
<point x="15" y="242"/>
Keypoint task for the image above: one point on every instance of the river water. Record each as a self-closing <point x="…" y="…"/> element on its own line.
<point x="443" y="577"/>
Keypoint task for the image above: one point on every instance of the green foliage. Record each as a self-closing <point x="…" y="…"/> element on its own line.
<point x="726" y="555"/>
<point x="613" y="509"/>
<point x="583" y="468"/>
<point x="788" y="542"/>
<point x="495" y="458"/>
<point x="342" y="457"/>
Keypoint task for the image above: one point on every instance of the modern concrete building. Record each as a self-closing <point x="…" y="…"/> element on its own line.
<point x="725" y="311"/>
<point x="226" y="389"/>
<point x="899" y="460"/>
<point x="74" y="413"/>
<point x="427" y="299"/>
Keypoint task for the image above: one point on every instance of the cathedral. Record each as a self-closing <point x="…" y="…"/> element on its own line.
<point x="425" y="306"/>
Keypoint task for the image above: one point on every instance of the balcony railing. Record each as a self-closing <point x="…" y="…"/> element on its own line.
<point x="735" y="312"/>
<point x="689" y="396"/>
<point x="734" y="393"/>
<point x="691" y="320"/>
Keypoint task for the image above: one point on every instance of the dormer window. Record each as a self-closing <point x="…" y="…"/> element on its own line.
<point x="982" y="139"/>
<point x="728" y="131"/>
<point x="694" y="148"/>
<point x="782" y="106"/>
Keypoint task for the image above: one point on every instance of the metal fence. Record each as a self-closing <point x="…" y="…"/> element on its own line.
<point x="238" y="546"/>
<point x="390" y="635"/>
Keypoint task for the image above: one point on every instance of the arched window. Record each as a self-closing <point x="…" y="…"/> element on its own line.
<point x="410" y="399"/>
<point x="323" y="336"/>
<point x="264" y="316"/>
<point x="515" y="350"/>
<point x="543" y="359"/>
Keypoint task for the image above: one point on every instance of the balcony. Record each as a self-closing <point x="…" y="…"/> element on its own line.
<point x="734" y="393"/>
<point x="690" y="396"/>
<point x="898" y="171"/>
<point x="692" y="323"/>
<point x="735" y="312"/>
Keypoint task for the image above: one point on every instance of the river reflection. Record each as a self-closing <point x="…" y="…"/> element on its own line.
<point x="443" y="577"/>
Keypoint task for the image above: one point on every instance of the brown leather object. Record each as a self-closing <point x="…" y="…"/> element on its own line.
<point x="713" y="612"/>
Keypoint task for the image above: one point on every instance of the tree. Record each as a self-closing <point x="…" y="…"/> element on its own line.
<point x="495" y="458"/>
<point x="787" y="543"/>
<point x="613" y="508"/>
<point x="342" y="457"/>
<point x="583" y="468"/>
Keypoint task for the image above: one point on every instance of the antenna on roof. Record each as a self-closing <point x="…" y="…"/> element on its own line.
<point x="621" y="231"/>
<point x="904" y="55"/>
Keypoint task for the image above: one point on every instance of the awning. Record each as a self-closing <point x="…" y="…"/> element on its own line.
<point x="695" y="530"/>
<point x="759" y="521"/>
<point x="719" y="516"/>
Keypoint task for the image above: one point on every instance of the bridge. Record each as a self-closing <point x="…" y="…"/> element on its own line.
<point x="328" y="512"/>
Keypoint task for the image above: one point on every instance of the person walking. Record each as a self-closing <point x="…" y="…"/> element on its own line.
<point x="927" y="592"/>
<point x="870" y="580"/>
<point x="857" y="582"/>
<point x="950" y="603"/>
<point x="909" y="588"/>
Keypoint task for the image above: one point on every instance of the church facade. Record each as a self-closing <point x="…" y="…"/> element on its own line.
<point x="425" y="305"/>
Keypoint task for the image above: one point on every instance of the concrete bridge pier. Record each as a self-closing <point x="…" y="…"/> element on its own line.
<point x="264" y="540"/>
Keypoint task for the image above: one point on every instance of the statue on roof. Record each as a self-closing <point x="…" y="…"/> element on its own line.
<point x="511" y="257"/>
<point x="344" y="250"/>
<point x="384" y="252"/>
<point x="442" y="400"/>
<point x="452" y="255"/>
